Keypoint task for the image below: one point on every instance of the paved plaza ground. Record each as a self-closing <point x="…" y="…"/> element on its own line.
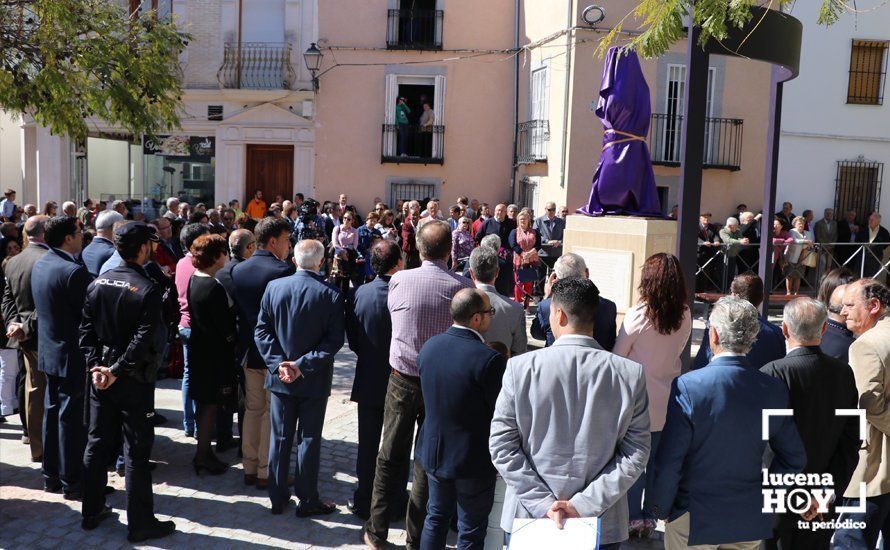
<point x="211" y="511"/>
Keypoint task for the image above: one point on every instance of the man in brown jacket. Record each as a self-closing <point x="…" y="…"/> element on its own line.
<point x="867" y="308"/>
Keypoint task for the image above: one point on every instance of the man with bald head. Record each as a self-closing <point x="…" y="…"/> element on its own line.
<point x="461" y="378"/>
<point x="419" y="303"/>
<point x="837" y="339"/>
<point x="20" y="315"/>
<point x="499" y="225"/>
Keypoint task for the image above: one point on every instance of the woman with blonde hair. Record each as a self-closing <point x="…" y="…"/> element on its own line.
<point x="525" y="243"/>
<point x="799" y="255"/>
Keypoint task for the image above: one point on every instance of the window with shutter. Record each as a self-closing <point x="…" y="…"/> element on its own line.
<point x="868" y="72"/>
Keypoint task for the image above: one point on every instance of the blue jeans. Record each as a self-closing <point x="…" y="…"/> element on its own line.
<point x="188" y="405"/>
<point x="635" y="505"/>
<point x="474" y="498"/>
<point x="877" y="521"/>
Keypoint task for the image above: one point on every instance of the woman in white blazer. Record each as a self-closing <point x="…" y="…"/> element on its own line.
<point x="799" y="255"/>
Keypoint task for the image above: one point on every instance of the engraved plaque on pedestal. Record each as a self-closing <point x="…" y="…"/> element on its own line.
<point x="612" y="272"/>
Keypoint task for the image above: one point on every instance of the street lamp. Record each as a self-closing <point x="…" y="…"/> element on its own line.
<point x="312" y="57"/>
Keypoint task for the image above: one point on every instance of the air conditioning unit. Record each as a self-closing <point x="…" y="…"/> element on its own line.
<point x="214" y="112"/>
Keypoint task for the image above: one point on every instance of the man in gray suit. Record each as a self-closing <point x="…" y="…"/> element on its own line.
<point x="508" y="323"/>
<point x="826" y="232"/>
<point x="570" y="432"/>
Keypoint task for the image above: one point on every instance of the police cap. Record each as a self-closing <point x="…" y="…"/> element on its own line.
<point x="135" y="233"/>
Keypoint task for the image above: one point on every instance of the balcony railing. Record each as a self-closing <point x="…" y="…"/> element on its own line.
<point x="723" y="141"/>
<point x="411" y="144"/>
<point x="414" y="30"/>
<point x="532" y="141"/>
<point x="258" y="66"/>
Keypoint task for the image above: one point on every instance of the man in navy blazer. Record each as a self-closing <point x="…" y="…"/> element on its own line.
<point x="369" y="330"/>
<point x="605" y="329"/>
<point x="770" y="343"/>
<point x="249" y="279"/>
<point x="299" y="330"/>
<point x="708" y="466"/>
<point x="102" y="247"/>
<point x="242" y="245"/>
<point x="59" y="285"/>
<point x="461" y="378"/>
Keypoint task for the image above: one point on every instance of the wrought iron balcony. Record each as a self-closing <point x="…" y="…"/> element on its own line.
<point x="412" y="144"/>
<point x="257" y="66"/>
<point x="532" y="138"/>
<point x="723" y="141"/>
<point x="414" y="30"/>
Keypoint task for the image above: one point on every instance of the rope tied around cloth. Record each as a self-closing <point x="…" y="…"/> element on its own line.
<point x="629" y="137"/>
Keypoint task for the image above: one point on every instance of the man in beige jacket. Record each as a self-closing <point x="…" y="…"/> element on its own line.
<point x="867" y="308"/>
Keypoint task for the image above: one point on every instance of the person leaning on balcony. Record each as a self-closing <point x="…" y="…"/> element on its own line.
<point x="874" y="232"/>
<point x="256" y="208"/>
<point x="403" y="124"/>
<point x="732" y="237"/>
<point x="750" y="227"/>
<point x="825" y="231"/>
<point x="427" y="120"/>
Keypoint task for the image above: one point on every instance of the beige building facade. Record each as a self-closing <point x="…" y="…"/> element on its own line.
<point x="455" y="56"/>
<point x="510" y="88"/>
<point x="561" y="137"/>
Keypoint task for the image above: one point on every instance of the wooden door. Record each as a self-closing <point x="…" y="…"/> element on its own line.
<point x="270" y="168"/>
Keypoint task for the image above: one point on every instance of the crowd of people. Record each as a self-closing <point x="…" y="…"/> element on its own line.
<point x="255" y="304"/>
<point x="803" y="249"/>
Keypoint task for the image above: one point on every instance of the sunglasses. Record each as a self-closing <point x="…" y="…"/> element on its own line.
<point x="551" y="210"/>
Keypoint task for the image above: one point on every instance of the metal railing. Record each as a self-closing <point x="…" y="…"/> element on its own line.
<point x="723" y="141"/>
<point x="412" y="144"/>
<point x="531" y="141"/>
<point x="414" y="29"/>
<point x="719" y="263"/>
<point x="257" y="65"/>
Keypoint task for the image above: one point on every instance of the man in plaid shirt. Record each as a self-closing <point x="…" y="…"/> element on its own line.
<point x="420" y="305"/>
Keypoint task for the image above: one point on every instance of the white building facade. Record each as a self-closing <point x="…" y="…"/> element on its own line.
<point x="247" y="120"/>
<point x="835" y="141"/>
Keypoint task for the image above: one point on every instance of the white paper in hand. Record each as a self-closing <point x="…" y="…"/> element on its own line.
<point x="535" y="534"/>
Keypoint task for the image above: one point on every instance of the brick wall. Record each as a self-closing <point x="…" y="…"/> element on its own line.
<point x="205" y="50"/>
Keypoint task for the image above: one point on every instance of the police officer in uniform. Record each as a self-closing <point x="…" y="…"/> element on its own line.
<point x="118" y="337"/>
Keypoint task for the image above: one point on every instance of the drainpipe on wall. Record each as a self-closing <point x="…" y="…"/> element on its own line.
<point x="513" y="165"/>
<point x="565" y="102"/>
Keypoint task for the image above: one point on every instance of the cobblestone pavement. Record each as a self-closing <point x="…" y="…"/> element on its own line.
<point x="209" y="511"/>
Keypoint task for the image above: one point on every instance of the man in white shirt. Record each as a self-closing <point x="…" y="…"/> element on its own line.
<point x="7" y="205"/>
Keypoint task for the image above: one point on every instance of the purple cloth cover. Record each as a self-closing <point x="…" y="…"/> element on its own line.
<point x="623" y="182"/>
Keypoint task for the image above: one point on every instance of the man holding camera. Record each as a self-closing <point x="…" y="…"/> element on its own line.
<point x="404" y="127"/>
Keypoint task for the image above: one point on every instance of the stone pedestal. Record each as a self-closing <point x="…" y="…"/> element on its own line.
<point x="615" y="247"/>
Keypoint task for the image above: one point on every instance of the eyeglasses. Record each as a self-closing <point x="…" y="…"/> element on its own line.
<point x="490" y="311"/>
